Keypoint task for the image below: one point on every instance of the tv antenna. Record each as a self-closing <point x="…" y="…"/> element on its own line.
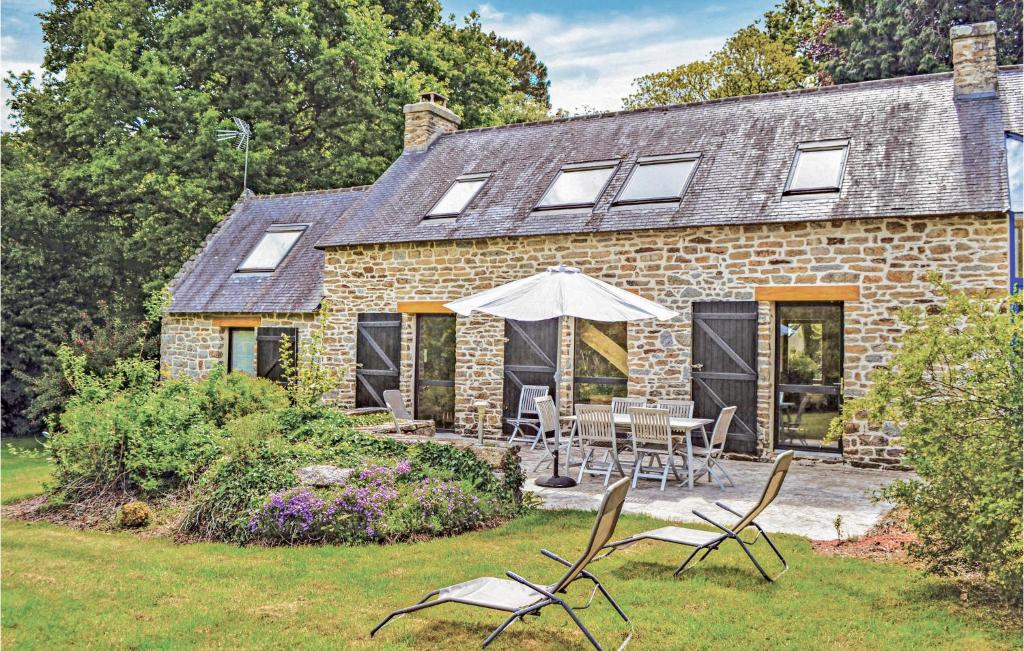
<point x="241" y="133"/>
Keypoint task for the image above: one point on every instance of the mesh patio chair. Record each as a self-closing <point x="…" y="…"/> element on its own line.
<point x="709" y="541"/>
<point x="549" y="422"/>
<point x="526" y="415"/>
<point x="791" y="423"/>
<point x="396" y="405"/>
<point x="521" y="597"/>
<point x="712" y="452"/>
<point x="652" y="437"/>
<point x="595" y="431"/>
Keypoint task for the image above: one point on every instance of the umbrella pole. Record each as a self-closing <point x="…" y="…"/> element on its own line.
<point x="555" y="480"/>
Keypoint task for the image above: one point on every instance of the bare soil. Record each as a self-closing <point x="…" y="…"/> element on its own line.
<point x="886" y="541"/>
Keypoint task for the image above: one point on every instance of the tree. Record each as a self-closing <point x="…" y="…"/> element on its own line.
<point x="113" y="177"/>
<point x="750" y="62"/>
<point x="954" y="388"/>
<point x="885" y="38"/>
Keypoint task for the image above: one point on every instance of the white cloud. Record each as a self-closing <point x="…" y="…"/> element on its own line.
<point x="593" y="59"/>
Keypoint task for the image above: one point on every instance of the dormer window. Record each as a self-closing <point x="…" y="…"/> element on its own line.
<point x="658" y="179"/>
<point x="458" y="196"/>
<point x="818" y="167"/>
<point x="577" y="186"/>
<point x="272" y="248"/>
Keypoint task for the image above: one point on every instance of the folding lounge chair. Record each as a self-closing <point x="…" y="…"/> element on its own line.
<point x="520" y="597"/>
<point x="709" y="541"/>
<point x="396" y="405"/>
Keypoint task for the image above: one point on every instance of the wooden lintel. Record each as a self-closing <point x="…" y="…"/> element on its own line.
<point x="423" y="307"/>
<point x="807" y="293"/>
<point x="236" y="321"/>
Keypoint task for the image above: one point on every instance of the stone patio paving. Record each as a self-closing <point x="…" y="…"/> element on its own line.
<point x="814" y="493"/>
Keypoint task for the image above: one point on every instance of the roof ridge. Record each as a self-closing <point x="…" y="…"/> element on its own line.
<point x="352" y="188"/>
<point x="906" y="79"/>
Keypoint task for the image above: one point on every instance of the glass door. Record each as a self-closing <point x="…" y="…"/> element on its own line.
<point x="809" y="374"/>
<point x="435" y="369"/>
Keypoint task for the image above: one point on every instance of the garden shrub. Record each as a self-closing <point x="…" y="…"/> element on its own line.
<point x="450" y="462"/>
<point x="227" y="396"/>
<point x="133" y="515"/>
<point x="954" y="388"/>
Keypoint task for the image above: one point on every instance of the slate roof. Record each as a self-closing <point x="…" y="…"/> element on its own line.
<point x="208" y="283"/>
<point x="913" y="151"/>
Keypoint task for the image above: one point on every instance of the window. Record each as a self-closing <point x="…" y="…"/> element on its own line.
<point x="1015" y="180"/>
<point x="458" y="196"/>
<point x="577" y="186"/>
<point x="601" y="365"/>
<point x="658" y="178"/>
<point x="273" y="247"/>
<point x="818" y="167"/>
<point x="242" y="350"/>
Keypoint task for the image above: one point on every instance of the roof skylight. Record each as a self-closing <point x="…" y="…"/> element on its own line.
<point x="818" y="167"/>
<point x="658" y="178"/>
<point x="272" y="247"/>
<point x="577" y="186"/>
<point x="458" y="196"/>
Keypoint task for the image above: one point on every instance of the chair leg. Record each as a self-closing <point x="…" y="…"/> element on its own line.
<point x="687" y="561"/>
<point x="754" y="560"/>
<point x="664" y="473"/>
<point x="420" y="605"/>
<point x="583" y="628"/>
<point x="636" y="468"/>
<point x="536" y="439"/>
<point x="725" y="473"/>
<point x="583" y="465"/>
<point x="519" y="614"/>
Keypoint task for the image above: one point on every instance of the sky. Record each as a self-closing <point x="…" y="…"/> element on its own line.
<point x="593" y="50"/>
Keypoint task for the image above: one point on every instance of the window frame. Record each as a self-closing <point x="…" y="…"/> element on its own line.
<point x="273" y="228"/>
<point x="1015" y="223"/>
<point x="612" y="165"/>
<point x="464" y="178"/>
<point x="664" y="159"/>
<point x="818" y="145"/>
<point x="231" y="331"/>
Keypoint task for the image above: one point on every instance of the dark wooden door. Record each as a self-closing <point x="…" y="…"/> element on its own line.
<point x="531" y="357"/>
<point x="268" y="351"/>
<point x="378" y="356"/>
<point x="724" y="367"/>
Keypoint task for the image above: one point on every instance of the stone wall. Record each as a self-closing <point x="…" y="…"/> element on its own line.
<point x="190" y="344"/>
<point x="887" y="259"/>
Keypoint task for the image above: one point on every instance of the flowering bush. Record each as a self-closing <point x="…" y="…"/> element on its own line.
<point x="443" y="507"/>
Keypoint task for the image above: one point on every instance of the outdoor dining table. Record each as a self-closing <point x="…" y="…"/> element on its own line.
<point x="678" y="425"/>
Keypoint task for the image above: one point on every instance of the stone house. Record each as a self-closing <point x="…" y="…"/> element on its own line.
<point x="786" y="229"/>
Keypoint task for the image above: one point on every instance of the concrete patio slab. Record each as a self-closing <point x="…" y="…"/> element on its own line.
<point x="813" y="495"/>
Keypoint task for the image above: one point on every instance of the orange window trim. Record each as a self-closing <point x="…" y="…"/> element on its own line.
<point x="807" y="293"/>
<point x="236" y="322"/>
<point x="423" y="307"/>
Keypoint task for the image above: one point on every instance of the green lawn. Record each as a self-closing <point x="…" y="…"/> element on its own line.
<point x="21" y="476"/>
<point x="64" y="587"/>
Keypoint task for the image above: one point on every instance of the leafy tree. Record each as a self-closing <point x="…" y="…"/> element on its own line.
<point x="886" y="38"/>
<point x="955" y="389"/>
<point x="113" y="176"/>
<point x="750" y="62"/>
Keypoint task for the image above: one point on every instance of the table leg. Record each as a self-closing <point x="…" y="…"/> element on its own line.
<point x="689" y="460"/>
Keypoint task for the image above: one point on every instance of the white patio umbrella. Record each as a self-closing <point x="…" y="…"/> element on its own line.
<point x="561" y="291"/>
<point x="558" y="292"/>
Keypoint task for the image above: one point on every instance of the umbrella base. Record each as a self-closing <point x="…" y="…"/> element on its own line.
<point x="556" y="482"/>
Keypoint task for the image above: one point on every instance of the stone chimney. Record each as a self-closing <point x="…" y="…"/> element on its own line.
<point x="974" y="60"/>
<point x="426" y="119"/>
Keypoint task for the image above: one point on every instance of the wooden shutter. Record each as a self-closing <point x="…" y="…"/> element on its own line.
<point x="268" y="351"/>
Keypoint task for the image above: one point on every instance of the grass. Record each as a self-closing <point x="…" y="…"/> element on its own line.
<point x="64" y="587"/>
<point x="21" y="476"/>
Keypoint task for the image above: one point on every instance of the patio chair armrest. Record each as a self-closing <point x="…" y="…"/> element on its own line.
<point x="723" y="506"/>
<point x="712" y="522"/>
<point x="518" y="579"/>
<point x="555" y="557"/>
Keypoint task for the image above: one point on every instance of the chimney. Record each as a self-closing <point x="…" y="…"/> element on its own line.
<point x="427" y="119"/>
<point x="974" y="60"/>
